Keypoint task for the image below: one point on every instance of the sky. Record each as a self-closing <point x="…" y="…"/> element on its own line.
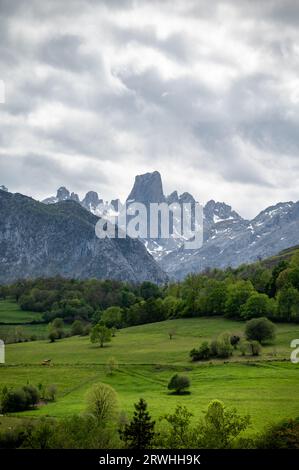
<point x="206" y="92"/>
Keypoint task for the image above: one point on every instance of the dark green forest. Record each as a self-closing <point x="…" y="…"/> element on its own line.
<point x="250" y="291"/>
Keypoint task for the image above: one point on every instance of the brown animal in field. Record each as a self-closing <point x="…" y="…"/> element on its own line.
<point x="46" y="362"/>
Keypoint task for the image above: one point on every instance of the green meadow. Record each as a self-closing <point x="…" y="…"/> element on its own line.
<point x="11" y="313"/>
<point x="266" y="387"/>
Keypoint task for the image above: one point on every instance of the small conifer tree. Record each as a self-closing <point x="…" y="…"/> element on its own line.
<point x="139" y="433"/>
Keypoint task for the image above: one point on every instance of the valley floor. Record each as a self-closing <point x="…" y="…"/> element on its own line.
<point x="265" y="387"/>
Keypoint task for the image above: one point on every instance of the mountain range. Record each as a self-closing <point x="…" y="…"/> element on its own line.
<point x="56" y="236"/>
<point x="38" y="240"/>
<point x="229" y="239"/>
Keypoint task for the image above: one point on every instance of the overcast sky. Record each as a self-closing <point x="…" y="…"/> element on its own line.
<point x="206" y="92"/>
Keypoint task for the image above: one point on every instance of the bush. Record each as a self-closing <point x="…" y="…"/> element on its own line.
<point x="77" y="328"/>
<point x="255" y="348"/>
<point x="223" y="346"/>
<point x="51" y="392"/>
<point x="213" y="348"/>
<point x="234" y="340"/>
<point x="284" y="435"/>
<point x="260" y="329"/>
<point x="179" y="383"/>
<point x="201" y="354"/>
<point x="86" y="330"/>
<point x="19" y="399"/>
<point x="218" y="348"/>
<point x="244" y="346"/>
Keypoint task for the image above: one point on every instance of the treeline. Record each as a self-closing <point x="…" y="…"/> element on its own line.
<point x="102" y="426"/>
<point x="250" y="291"/>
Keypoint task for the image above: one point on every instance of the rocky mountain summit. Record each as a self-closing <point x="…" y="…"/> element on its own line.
<point x="147" y="188"/>
<point x="62" y="194"/>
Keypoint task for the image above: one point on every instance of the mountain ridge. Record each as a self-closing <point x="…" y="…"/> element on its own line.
<point x="229" y="239"/>
<point x="42" y="240"/>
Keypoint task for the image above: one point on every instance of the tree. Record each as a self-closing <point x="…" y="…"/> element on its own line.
<point x="281" y="266"/>
<point x="101" y="401"/>
<point x="288" y="304"/>
<point x="51" y="392"/>
<point x="139" y="433"/>
<point x="172" y="306"/>
<point x="258" y="305"/>
<point x="171" y="332"/>
<point x="111" y="366"/>
<point x="100" y="334"/>
<point x="221" y="426"/>
<point x="57" y="323"/>
<point x="53" y="335"/>
<point x="39" y="436"/>
<point x="224" y="347"/>
<point x="112" y="317"/>
<point x="149" y="290"/>
<point x="56" y="326"/>
<point x="237" y="295"/>
<point x="180" y="435"/>
<point x="19" y="334"/>
<point x="179" y="383"/>
<point x="190" y="289"/>
<point x="212" y="298"/>
<point x="260" y="329"/>
<point x="77" y="328"/>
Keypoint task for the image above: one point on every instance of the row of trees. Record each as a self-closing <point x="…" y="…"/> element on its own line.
<point x="104" y="427"/>
<point x="218" y="429"/>
<point x="249" y="291"/>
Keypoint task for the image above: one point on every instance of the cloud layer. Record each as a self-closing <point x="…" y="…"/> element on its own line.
<point x="205" y="92"/>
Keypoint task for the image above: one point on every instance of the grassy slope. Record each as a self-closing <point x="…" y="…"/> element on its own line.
<point x="10" y="312"/>
<point x="264" y="388"/>
<point x="284" y="255"/>
<point x="11" y="316"/>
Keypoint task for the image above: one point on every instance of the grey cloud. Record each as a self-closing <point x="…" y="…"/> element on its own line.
<point x="22" y="172"/>
<point x="175" y="45"/>
<point x="63" y="51"/>
<point x="125" y="112"/>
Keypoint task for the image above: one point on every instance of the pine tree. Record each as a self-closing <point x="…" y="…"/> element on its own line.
<point x="139" y="433"/>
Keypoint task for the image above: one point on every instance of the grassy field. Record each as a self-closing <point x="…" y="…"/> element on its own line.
<point x="10" y="312"/>
<point x="266" y="387"/>
<point x="12" y="317"/>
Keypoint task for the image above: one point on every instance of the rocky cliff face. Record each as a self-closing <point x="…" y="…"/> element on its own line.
<point x="59" y="239"/>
